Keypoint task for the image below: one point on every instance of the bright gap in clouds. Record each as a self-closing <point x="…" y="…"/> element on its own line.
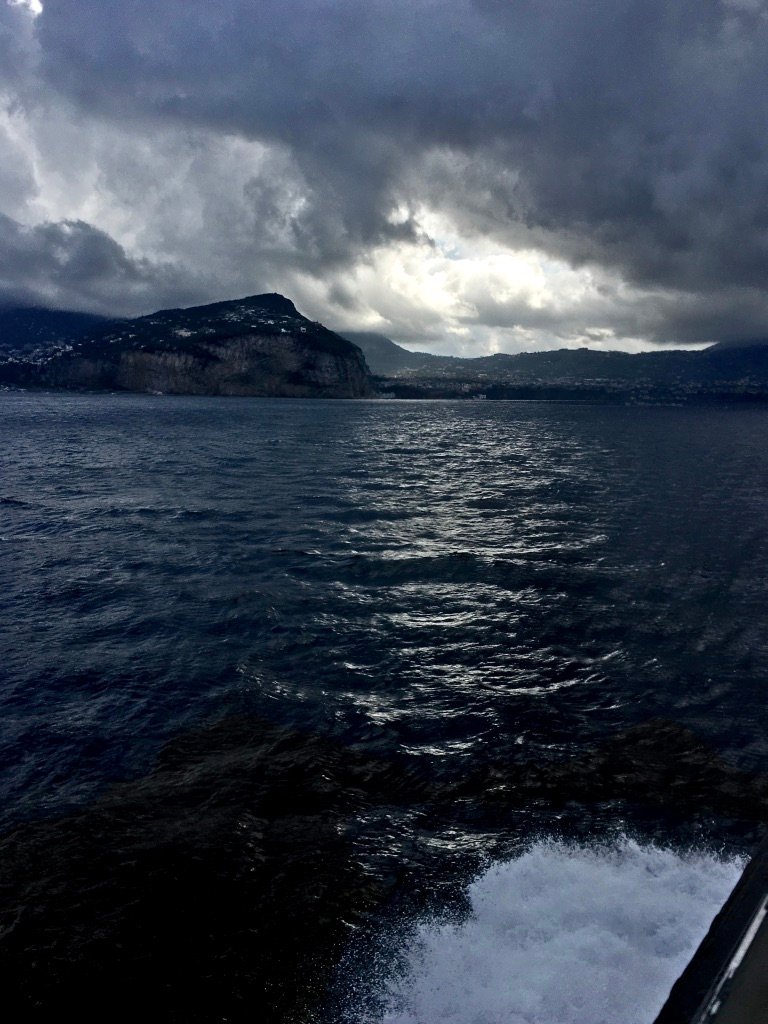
<point x="35" y="7"/>
<point x="441" y="288"/>
<point x="449" y="294"/>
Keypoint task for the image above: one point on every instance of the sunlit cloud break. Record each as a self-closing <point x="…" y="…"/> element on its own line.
<point x="35" y="7"/>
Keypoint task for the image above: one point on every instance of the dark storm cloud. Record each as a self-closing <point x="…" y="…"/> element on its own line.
<point x="625" y="133"/>
<point x="74" y="264"/>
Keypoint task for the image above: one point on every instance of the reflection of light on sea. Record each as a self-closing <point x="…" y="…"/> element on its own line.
<point x="562" y="935"/>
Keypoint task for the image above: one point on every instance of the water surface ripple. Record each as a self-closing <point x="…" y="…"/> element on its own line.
<point x="451" y="580"/>
<point x="276" y="673"/>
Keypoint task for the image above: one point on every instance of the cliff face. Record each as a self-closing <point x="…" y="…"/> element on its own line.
<point x="259" y="346"/>
<point x="250" y="364"/>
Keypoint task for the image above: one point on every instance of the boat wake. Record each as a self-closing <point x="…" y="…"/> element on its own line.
<point x="562" y="934"/>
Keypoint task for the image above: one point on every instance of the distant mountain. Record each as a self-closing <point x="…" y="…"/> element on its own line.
<point x="742" y="343"/>
<point x="259" y="345"/>
<point x="262" y="345"/>
<point x="723" y="370"/>
<point x="33" y="329"/>
<point x="387" y="358"/>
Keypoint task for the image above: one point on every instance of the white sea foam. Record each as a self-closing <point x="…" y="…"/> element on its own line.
<point x="563" y="935"/>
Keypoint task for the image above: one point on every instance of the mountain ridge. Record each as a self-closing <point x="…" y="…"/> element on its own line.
<point x="262" y="345"/>
<point x="33" y="329"/>
<point x="726" y="361"/>
<point x="258" y="345"/>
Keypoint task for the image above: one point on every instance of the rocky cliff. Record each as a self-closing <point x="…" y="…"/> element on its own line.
<point x="249" y="364"/>
<point x="256" y="346"/>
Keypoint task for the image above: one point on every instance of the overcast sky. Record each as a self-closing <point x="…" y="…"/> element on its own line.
<point x="461" y="175"/>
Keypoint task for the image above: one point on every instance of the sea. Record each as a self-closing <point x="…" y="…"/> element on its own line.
<point x="374" y="711"/>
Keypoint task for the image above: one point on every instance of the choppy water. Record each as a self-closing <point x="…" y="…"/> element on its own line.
<point x="470" y="604"/>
